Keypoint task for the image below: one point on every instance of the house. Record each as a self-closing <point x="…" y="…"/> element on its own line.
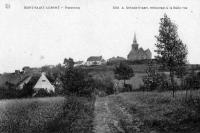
<point x="78" y="63"/>
<point x="114" y="60"/>
<point x="43" y="83"/>
<point x="95" y="60"/>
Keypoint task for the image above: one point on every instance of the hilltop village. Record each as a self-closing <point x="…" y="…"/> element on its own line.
<point x="132" y="94"/>
<point x="42" y="77"/>
<point x="137" y="53"/>
<point x="48" y="77"/>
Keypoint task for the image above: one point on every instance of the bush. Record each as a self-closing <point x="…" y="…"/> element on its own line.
<point x="127" y="88"/>
<point x="192" y="82"/>
<point x="77" y="116"/>
<point x="27" y="91"/>
<point x="77" y="81"/>
<point x="156" y="82"/>
<point x="8" y="93"/>
<point x="104" y="86"/>
<point x="43" y="93"/>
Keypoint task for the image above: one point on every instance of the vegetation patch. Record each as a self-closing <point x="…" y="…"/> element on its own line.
<point x="28" y="115"/>
<point x="160" y="112"/>
<point x="77" y="117"/>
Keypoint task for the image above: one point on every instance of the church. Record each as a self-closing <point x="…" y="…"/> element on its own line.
<point x="137" y="53"/>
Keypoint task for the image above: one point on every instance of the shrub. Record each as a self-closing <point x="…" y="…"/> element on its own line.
<point x="124" y="72"/>
<point x="8" y="93"/>
<point x="104" y="85"/>
<point x="77" y="116"/>
<point x="43" y="93"/>
<point x="77" y="81"/>
<point x="156" y="82"/>
<point x="27" y="91"/>
<point x="192" y="81"/>
<point x="127" y="88"/>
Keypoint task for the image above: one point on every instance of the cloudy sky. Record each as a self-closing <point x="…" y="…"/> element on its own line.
<point x="36" y="37"/>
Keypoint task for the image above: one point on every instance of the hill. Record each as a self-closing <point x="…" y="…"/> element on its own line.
<point x="98" y="71"/>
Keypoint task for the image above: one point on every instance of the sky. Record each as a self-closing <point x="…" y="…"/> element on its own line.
<point x="37" y="37"/>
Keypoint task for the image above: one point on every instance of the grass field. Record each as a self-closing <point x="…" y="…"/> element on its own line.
<point x="146" y="112"/>
<point x="47" y="115"/>
<point x="28" y="115"/>
<point x="157" y="112"/>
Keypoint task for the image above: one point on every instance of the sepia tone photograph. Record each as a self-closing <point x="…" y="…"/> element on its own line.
<point x="100" y="66"/>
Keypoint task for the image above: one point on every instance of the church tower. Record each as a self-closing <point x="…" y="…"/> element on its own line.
<point x="138" y="53"/>
<point x="135" y="44"/>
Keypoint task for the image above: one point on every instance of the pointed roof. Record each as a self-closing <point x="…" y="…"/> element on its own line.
<point x="43" y="83"/>
<point x="134" y="40"/>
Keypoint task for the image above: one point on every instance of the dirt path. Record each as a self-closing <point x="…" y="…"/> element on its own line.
<point x="112" y="116"/>
<point x="105" y="121"/>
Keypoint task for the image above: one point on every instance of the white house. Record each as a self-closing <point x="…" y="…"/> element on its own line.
<point x="78" y="63"/>
<point x="95" y="60"/>
<point x="43" y="83"/>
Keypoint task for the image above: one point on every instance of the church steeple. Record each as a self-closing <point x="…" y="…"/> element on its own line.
<point x="138" y="53"/>
<point x="135" y="44"/>
<point x="134" y="40"/>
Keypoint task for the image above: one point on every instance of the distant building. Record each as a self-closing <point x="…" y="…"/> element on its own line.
<point x="116" y="59"/>
<point x="78" y="63"/>
<point x="138" y="53"/>
<point x="95" y="60"/>
<point x="43" y="83"/>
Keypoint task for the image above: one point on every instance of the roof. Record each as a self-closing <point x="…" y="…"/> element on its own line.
<point x="79" y="62"/>
<point x="95" y="58"/>
<point x="24" y="81"/>
<point x="43" y="83"/>
<point x="148" y="50"/>
<point x="118" y="58"/>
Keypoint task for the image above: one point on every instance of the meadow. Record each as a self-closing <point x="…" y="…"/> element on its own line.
<point x="158" y="112"/>
<point x="28" y="115"/>
<point x="46" y="115"/>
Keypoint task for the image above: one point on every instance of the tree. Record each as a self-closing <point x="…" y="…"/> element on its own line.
<point x="171" y="52"/>
<point x="154" y="80"/>
<point x="123" y="72"/>
<point x="76" y="80"/>
<point x="27" y="90"/>
<point x="69" y="63"/>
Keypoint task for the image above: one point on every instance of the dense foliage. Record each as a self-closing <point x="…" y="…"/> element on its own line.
<point x="103" y="86"/>
<point x="77" y="116"/>
<point x="154" y="80"/>
<point x="171" y="51"/>
<point x="123" y="72"/>
<point x="76" y="80"/>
